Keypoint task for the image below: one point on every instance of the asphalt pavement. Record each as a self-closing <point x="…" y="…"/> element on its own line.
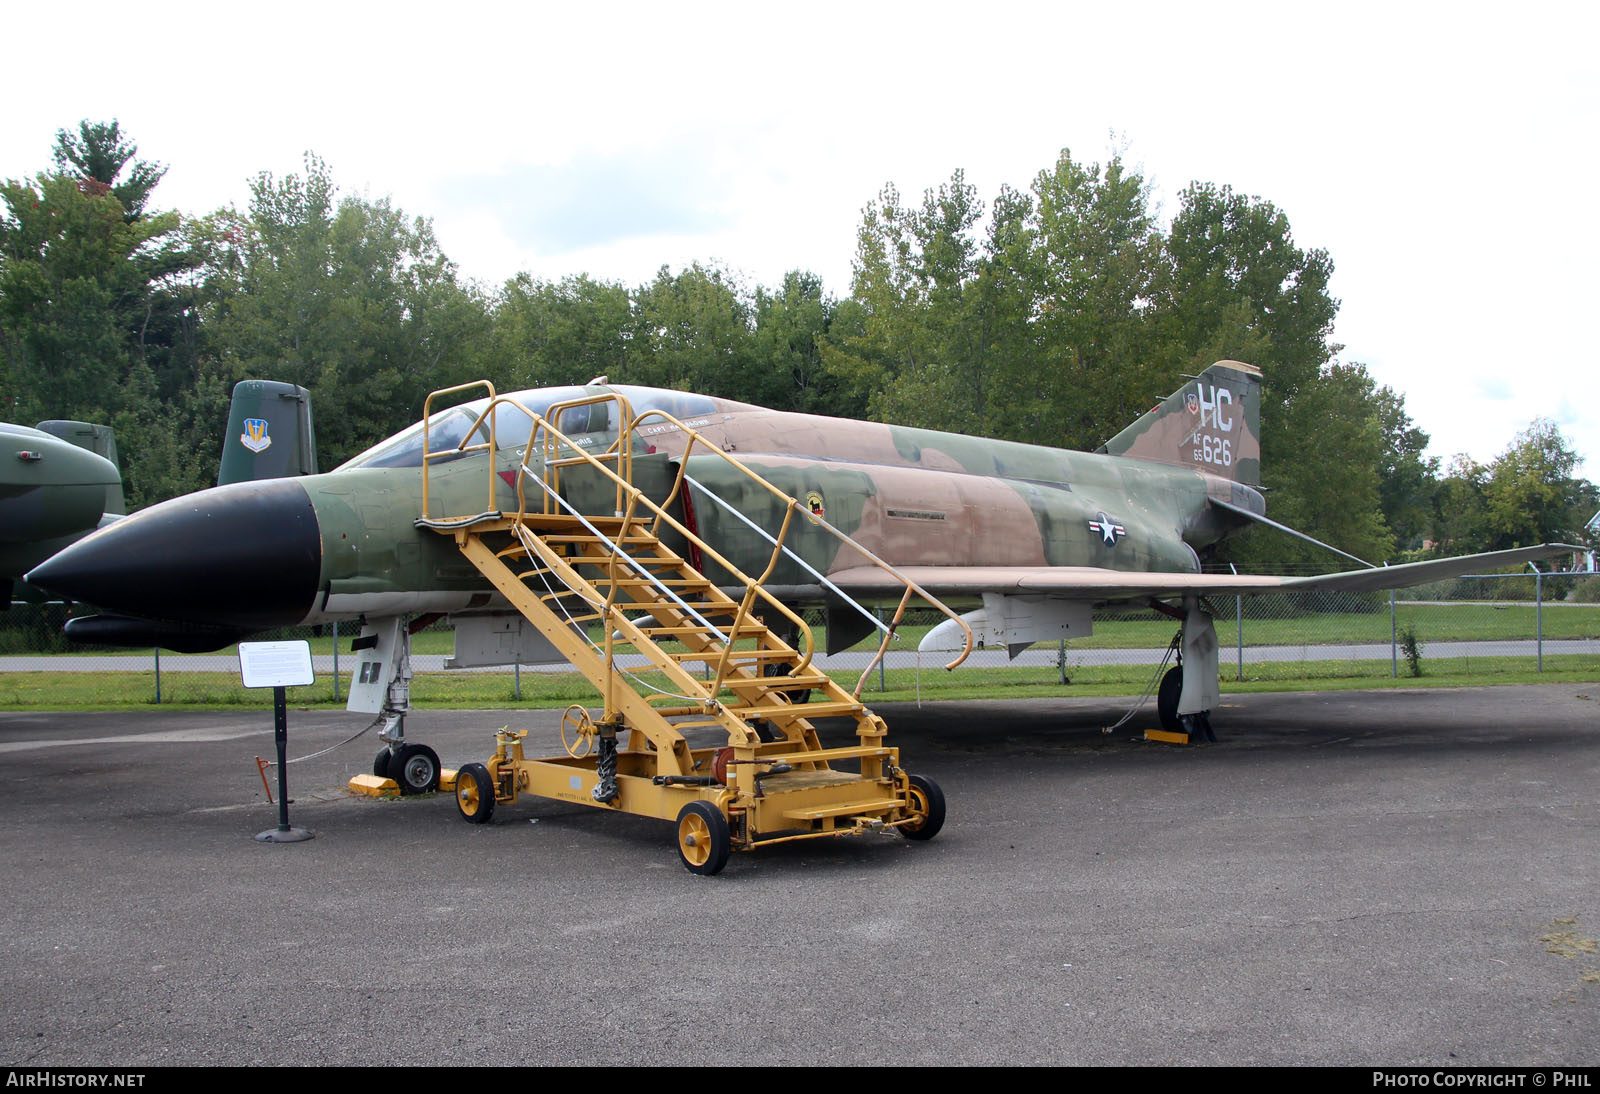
<point x="1396" y="877"/>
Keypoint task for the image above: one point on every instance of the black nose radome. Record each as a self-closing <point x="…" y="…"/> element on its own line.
<point x="245" y="556"/>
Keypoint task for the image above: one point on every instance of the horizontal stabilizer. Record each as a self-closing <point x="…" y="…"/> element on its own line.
<point x="1417" y="573"/>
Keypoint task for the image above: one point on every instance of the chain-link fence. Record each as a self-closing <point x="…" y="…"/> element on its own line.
<point x="1469" y="627"/>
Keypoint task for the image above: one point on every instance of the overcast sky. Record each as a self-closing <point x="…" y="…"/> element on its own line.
<point x="1444" y="155"/>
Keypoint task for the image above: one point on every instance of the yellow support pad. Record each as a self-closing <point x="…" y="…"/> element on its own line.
<point x="1164" y="737"/>
<point x="372" y="786"/>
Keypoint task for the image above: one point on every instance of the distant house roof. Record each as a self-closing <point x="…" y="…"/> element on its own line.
<point x="1594" y="523"/>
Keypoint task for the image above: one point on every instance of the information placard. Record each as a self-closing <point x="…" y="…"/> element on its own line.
<point x="275" y="664"/>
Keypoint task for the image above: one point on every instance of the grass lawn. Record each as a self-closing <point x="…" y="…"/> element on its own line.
<point x="222" y="690"/>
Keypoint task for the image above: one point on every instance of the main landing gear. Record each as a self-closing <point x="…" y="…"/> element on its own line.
<point x="1188" y="692"/>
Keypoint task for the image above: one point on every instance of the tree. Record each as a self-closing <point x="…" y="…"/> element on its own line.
<point x="692" y="332"/>
<point x="1334" y="490"/>
<point x="347" y="297"/>
<point x="1525" y="496"/>
<point x="791" y="326"/>
<point x="1236" y="280"/>
<point x="1407" y="480"/>
<point x="78" y="285"/>
<point x="1531" y="495"/>
<point x="920" y="358"/>
<point x="1237" y="286"/>
<point x="566" y="332"/>
<point x="1459" y="523"/>
<point x="98" y="153"/>
<point x="99" y="309"/>
<point x="1094" y="262"/>
<point x="1037" y="329"/>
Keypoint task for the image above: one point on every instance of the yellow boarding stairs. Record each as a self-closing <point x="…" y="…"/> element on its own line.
<point x="600" y="586"/>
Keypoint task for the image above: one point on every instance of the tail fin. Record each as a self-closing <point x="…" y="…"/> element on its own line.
<point x="99" y="439"/>
<point x="269" y="433"/>
<point x="1211" y="424"/>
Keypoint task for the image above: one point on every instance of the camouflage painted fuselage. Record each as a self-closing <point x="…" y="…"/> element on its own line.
<point x="914" y="497"/>
<point x="253" y="555"/>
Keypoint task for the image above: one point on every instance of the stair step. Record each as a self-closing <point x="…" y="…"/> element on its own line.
<point x="747" y="631"/>
<point x="802" y="710"/>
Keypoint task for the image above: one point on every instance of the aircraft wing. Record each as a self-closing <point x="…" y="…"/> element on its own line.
<point x="1099" y="585"/>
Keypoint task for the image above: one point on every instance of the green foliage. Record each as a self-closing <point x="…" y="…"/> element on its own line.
<point x="1411" y="650"/>
<point x="1406" y="478"/>
<point x="1072" y="312"/>
<point x="1095" y="258"/>
<point x="97" y="321"/>
<point x="1053" y="315"/>
<point x="1531" y="494"/>
<point x="692" y="332"/>
<point x="347" y="297"/>
<point x="792" y="325"/>
<point x="97" y="153"/>
<point x="1525" y="496"/>
<point x="1239" y="281"/>
<point x="1330" y="487"/>
<point x="1037" y="329"/>
<point x="1238" y="286"/>
<point x="568" y="332"/>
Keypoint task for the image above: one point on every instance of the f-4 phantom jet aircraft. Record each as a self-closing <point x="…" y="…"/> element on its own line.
<point x="1028" y="541"/>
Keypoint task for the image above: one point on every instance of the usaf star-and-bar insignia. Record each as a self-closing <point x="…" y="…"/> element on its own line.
<point x="1107" y="529"/>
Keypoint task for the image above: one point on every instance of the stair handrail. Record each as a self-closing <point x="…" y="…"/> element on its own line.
<point x="428" y="455"/>
<point x="620" y="453"/>
<point x="696" y="437"/>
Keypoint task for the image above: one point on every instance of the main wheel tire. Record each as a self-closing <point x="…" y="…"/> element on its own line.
<point x="475" y="794"/>
<point x="416" y="769"/>
<point x="928" y="800"/>
<point x="703" y="842"/>
<point x="380" y="765"/>
<point x="1167" y="697"/>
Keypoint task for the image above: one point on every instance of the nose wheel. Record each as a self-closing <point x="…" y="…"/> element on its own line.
<point x="416" y="769"/>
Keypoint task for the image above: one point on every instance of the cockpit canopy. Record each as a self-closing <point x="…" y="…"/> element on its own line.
<point x="513" y="423"/>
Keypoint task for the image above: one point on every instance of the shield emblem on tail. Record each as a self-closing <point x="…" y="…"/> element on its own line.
<point x="255" y="436"/>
